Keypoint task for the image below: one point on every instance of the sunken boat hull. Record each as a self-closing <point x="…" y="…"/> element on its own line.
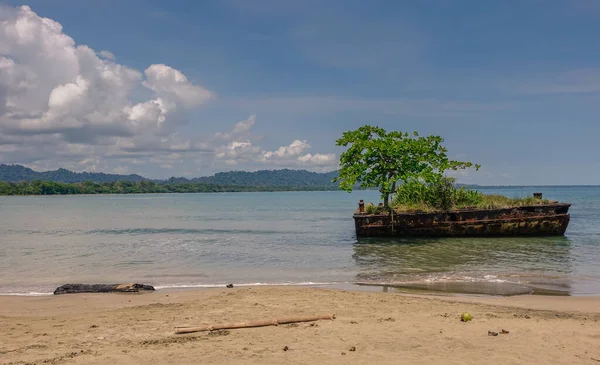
<point x="538" y="220"/>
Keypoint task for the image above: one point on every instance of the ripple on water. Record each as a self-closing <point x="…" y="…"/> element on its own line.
<point x="204" y="239"/>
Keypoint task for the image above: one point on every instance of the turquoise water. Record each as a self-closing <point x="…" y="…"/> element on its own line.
<point x="199" y="240"/>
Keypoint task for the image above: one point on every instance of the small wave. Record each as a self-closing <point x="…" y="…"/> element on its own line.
<point x="191" y="286"/>
<point x="144" y="231"/>
<point x="464" y="278"/>
<point x="28" y="294"/>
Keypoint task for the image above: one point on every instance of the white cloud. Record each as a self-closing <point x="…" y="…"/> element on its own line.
<point x="107" y="54"/>
<point x="286" y="152"/>
<point x="239" y="130"/>
<point x="318" y="159"/>
<point x="171" y="84"/>
<point x="244" y="125"/>
<point x="238" y="152"/>
<point x="295" y="152"/>
<point x="51" y="85"/>
<point x="66" y="105"/>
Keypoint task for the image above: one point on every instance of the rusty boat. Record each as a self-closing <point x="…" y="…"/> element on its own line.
<point x="549" y="219"/>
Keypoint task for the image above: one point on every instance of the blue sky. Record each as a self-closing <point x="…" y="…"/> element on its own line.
<point x="511" y="85"/>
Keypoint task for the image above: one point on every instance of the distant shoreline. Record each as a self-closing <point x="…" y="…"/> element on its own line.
<point x="38" y="188"/>
<point x="177" y="193"/>
<point x="48" y="188"/>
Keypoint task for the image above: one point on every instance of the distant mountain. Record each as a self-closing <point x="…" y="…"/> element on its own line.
<point x="17" y="173"/>
<point x="263" y="178"/>
<point x="285" y="177"/>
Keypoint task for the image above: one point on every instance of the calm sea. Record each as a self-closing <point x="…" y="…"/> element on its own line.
<point x="202" y="240"/>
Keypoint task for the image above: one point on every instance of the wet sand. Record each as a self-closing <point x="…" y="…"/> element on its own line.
<point x="381" y="328"/>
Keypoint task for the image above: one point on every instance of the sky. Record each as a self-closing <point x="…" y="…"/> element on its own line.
<point x="190" y="88"/>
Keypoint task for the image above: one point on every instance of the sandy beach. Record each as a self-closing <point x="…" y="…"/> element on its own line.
<point x="370" y="328"/>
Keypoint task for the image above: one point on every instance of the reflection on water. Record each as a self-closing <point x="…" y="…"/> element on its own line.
<point x="544" y="262"/>
<point x="197" y="240"/>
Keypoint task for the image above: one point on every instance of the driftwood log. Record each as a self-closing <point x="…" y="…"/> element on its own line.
<point x="262" y="323"/>
<point x="102" y="288"/>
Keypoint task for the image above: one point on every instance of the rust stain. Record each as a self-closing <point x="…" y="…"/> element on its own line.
<point x="550" y="219"/>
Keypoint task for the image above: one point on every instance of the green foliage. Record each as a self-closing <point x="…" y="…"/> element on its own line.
<point x="37" y="187"/>
<point x="17" y="173"/>
<point x="284" y="177"/>
<point x="264" y="178"/>
<point x="444" y="193"/>
<point x="376" y="158"/>
<point x="374" y="209"/>
<point x="371" y="208"/>
<point x="413" y="195"/>
<point x="441" y="194"/>
<point x="499" y="202"/>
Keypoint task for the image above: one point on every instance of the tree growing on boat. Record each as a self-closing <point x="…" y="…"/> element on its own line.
<point x="376" y="158"/>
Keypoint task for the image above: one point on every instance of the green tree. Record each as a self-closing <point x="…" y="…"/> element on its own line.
<point x="376" y="158"/>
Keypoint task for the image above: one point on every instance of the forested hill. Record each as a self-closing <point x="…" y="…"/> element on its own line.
<point x="18" y="173"/>
<point x="285" y="177"/>
<point x="264" y="178"/>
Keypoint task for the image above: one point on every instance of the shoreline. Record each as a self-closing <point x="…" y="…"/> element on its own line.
<point x="370" y="327"/>
<point x="494" y="288"/>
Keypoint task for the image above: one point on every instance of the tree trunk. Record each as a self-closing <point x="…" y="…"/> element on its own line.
<point x="386" y="198"/>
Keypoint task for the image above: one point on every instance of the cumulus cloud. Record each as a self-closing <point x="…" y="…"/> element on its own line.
<point x="51" y="85"/>
<point x="240" y="129"/>
<point x="295" y="152"/>
<point x="171" y="84"/>
<point x="238" y="152"/>
<point x="107" y="54"/>
<point x="66" y="105"/>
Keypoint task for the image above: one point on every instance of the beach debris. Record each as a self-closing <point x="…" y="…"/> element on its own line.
<point x="466" y="317"/>
<point x="492" y="333"/>
<point x="261" y="323"/>
<point x="352" y="348"/>
<point x="102" y="288"/>
<point x="285" y="348"/>
<point x="229" y="286"/>
<point x="343" y="353"/>
<point x="504" y="332"/>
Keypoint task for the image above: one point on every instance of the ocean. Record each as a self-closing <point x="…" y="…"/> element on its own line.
<point x="282" y="238"/>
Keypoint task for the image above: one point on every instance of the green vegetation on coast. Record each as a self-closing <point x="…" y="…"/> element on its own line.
<point x="20" y="180"/>
<point x="411" y="173"/>
<point x="141" y="187"/>
<point x="443" y="194"/>
<point x="283" y="177"/>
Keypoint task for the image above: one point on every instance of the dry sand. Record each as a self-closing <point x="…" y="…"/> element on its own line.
<point x="384" y="328"/>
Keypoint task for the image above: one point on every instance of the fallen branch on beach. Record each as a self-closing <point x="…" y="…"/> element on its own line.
<point x="262" y="323"/>
<point x="102" y="288"/>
